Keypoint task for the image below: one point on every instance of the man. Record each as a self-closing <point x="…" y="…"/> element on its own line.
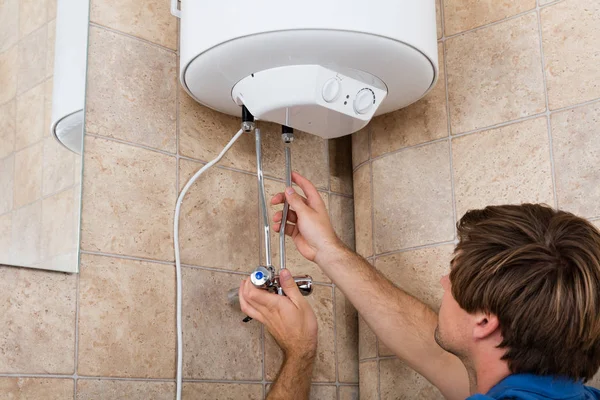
<point x="519" y="319"/>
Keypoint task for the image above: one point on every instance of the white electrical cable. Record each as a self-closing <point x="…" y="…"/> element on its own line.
<point x="178" y="258"/>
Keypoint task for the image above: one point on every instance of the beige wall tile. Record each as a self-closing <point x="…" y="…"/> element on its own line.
<point x="576" y="155"/>
<point x="595" y="381"/>
<point x="438" y="18"/>
<point x="27" y="223"/>
<point x="48" y="87"/>
<point x="58" y="167"/>
<point x="412" y="198"/>
<point x="37" y="388"/>
<point x="294" y="260"/>
<point x="218" y="224"/>
<point x="39" y="323"/>
<point x="5" y="238"/>
<point x="495" y="74"/>
<point x="321" y="392"/>
<point x="30" y="117"/>
<point x="369" y="372"/>
<point x="128" y="200"/>
<point x="424" y="121"/>
<point x="32" y="15"/>
<point x="346" y="320"/>
<point x="9" y="24"/>
<point x="363" y="203"/>
<point x="32" y="59"/>
<point x="229" y="349"/>
<point x="570" y="32"/>
<point x="88" y="389"/>
<point x="7" y="177"/>
<point x="222" y="391"/>
<point x="9" y="64"/>
<point x="341" y="212"/>
<point x="146" y="19"/>
<point x="360" y="146"/>
<point x="28" y="175"/>
<point x="464" y="15"/>
<point x="59" y="236"/>
<point x="131" y="92"/>
<point x="203" y="133"/>
<point x="126" y="318"/>
<point x="367" y="341"/>
<point x="321" y="301"/>
<point x="348" y="393"/>
<point x="8" y="128"/>
<point x="417" y="272"/>
<point x="504" y="165"/>
<point x="340" y="165"/>
<point x="51" y="13"/>
<point x="400" y="382"/>
<point x="50" y="48"/>
<point x="309" y="155"/>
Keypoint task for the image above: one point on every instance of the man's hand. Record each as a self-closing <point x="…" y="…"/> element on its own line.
<point x="308" y="220"/>
<point x="293" y="324"/>
<point x="290" y="319"/>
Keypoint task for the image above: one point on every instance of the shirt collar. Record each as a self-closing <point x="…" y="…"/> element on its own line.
<point x="549" y="386"/>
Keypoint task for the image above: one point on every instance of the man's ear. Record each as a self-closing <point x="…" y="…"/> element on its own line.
<point x="486" y="324"/>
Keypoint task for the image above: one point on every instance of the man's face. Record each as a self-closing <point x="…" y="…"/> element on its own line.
<point x="452" y="332"/>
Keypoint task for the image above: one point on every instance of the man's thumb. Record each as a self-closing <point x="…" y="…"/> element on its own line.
<point x="288" y="284"/>
<point x="295" y="200"/>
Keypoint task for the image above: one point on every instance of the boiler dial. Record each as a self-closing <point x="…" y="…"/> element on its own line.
<point x="364" y="101"/>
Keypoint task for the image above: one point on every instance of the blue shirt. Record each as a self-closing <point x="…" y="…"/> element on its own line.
<point x="533" y="387"/>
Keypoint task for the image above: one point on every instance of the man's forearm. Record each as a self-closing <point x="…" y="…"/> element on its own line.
<point x="293" y="379"/>
<point x="403" y="323"/>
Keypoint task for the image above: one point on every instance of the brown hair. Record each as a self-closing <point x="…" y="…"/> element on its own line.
<point x="538" y="271"/>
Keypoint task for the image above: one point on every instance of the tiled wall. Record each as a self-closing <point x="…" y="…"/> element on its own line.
<point x="39" y="179"/>
<point x="109" y="333"/>
<point x="514" y="118"/>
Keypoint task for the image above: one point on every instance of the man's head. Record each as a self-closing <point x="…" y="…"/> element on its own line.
<point x="525" y="281"/>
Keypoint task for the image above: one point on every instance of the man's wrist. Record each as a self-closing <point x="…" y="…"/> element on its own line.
<point x="329" y="252"/>
<point x="300" y="361"/>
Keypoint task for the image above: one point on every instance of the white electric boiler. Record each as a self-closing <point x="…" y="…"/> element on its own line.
<point x="321" y="66"/>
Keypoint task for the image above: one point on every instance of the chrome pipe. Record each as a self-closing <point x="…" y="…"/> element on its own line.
<point x="262" y="200"/>
<point x="286" y="206"/>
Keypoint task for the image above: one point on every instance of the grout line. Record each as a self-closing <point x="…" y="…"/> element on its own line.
<point x="421" y="247"/>
<point x="478" y="28"/>
<point x="480" y="130"/>
<point x="328" y="162"/>
<point x="248" y="382"/>
<point x="546" y="98"/>
<point x="53" y="376"/>
<point x="76" y="355"/>
<point x="574" y="106"/>
<point x="335" y="341"/>
<point x="263" y="352"/>
<point x="378" y="375"/>
<point x="449" y="124"/>
<point x="97" y="25"/>
<point x="125" y="257"/>
<point x="141" y="146"/>
<point x="110" y="378"/>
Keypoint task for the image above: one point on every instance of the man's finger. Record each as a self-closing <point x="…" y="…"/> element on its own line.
<point x="246" y="307"/>
<point x="297" y="202"/>
<point x="263" y="301"/>
<point x="312" y="195"/>
<point x="289" y="229"/>
<point x="292" y="216"/>
<point x="289" y="286"/>
<point x="279" y="198"/>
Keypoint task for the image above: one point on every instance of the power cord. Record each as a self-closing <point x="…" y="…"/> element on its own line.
<point x="178" y="257"/>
